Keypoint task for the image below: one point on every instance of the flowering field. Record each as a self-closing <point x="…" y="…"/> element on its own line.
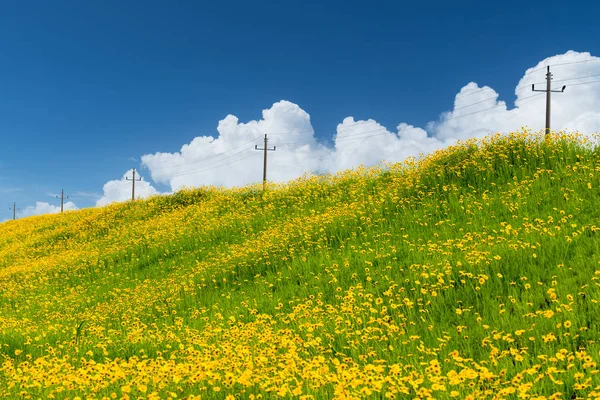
<point x="473" y="273"/>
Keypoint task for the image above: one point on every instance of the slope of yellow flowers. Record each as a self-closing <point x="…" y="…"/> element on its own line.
<point x="472" y="273"/>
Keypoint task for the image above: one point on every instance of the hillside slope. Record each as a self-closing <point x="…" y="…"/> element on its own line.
<point x="472" y="273"/>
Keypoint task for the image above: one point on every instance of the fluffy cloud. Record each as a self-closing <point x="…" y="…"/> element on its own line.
<point x="44" y="208"/>
<point x="575" y="109"/>
<point x="368" y="143"/>
<point x="230" y="159"/>
<point x="120" y="190"/>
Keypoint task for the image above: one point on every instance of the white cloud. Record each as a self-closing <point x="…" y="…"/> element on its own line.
<point x="368" y="143"/>
<point x="44" y="208"/>
<point x="575" y="109"/>
<point x="120" y="190"/>
<point x="230" y="159"/>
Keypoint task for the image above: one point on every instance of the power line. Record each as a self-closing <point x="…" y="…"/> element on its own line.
<point x="356" y="136"/>
<point x="518" y="88"/>
<point x="197" y="171"/>
<point x="559" y="64"/>
<point x="383" y="131"/>
<point x="220" y="164"/>
<point x="212" y="163"/>
<point x="344" y="138"/>
<point x="580" y="77"/>
<point x="355" y="124"/>
<point x="583" y="83"/>
<point x="528" y="73"/>
<point x="574" y="62"/>
<point x="216" y="155"/>
<point x="528" y="97"/>
<point x="559" y="80"/>
<point x="487" y="109"/>
<point x="475" y="112"/>
<point x="235" y="148"/>
<point x="479" y="102"/>
<point x="193" y="170"/>
<point x="472" y="93"/>
<point x="348" y="137"/>
<point x="111" y="184"/>
<point x="250" y="155"/>
<point x="412" y="128"/>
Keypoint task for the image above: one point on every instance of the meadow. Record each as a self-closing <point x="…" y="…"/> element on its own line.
<point x="470" y="273"/>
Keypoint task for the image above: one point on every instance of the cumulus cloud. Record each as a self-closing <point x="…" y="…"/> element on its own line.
<point x="120" y="190"/>
<point x="44" y="208"/>
<point x="230" y="159"/>
<point x="575" y="109"/>
<point x="368" y="143"/>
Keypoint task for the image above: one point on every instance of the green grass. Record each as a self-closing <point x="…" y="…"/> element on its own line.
<point x="308" y="261"/>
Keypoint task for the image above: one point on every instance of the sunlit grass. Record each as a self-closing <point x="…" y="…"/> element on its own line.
<point x="472" y="272"/>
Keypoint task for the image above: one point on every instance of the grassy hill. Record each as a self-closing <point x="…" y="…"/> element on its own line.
<point x="473" y="273"/>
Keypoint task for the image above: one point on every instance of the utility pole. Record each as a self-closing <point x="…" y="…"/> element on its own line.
<point x="265" y="149"/>
<point x="548" y="99"/>
<point x="14" y="210"/>
<point x="62" y="200"/>
<point x="133" y="180"/>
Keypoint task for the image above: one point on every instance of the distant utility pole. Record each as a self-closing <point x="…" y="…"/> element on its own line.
<point x="14" y="210"/>
<point x="62" y="199"/>
<point x="133" y="180"/>
<point x="548" y="100"/>
<point x="265" y="149"/>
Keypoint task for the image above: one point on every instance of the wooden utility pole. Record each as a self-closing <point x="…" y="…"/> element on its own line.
<point x="265" y="149"/>
<point x="62" y="199"/>
<point x="548" y="98"/>
<point x="14" y="210"/>
<point x="133" y="180"/>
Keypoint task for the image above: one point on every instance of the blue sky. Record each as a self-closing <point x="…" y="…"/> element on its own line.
<point x="86" y="87"/>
